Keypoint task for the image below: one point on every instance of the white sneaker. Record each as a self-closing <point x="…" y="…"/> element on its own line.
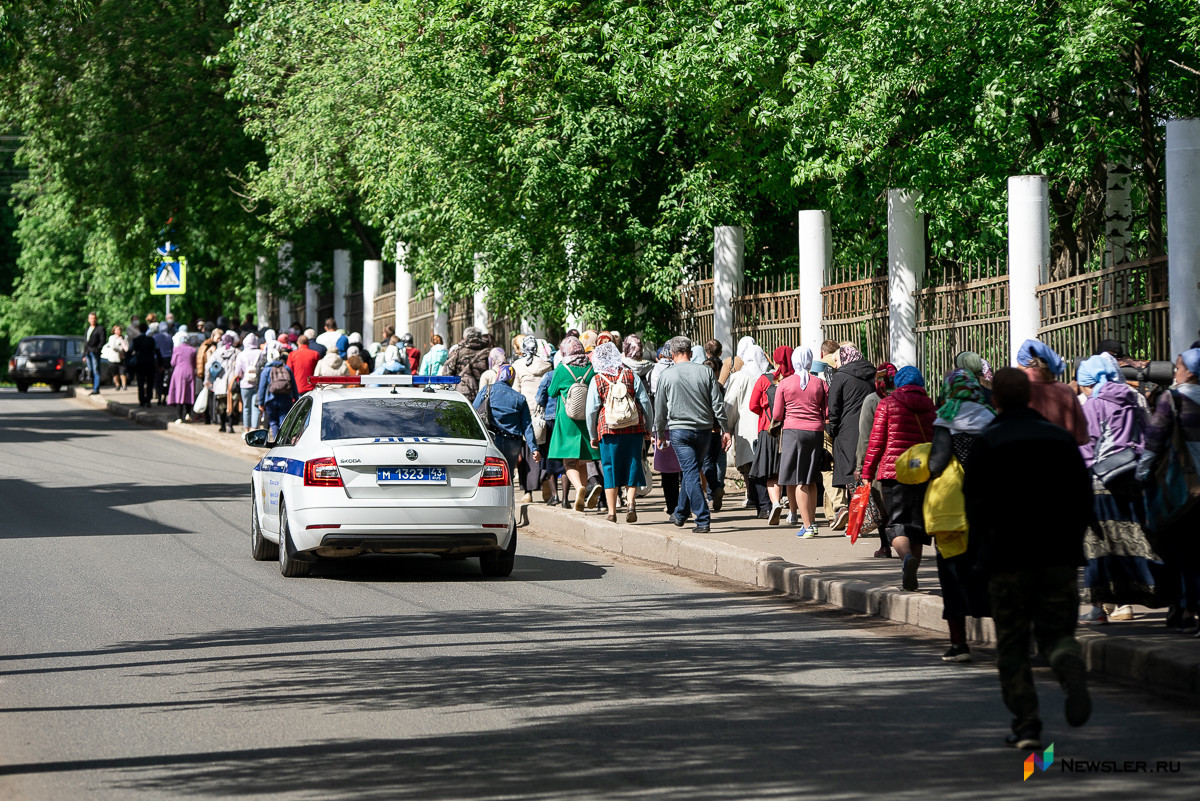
<point x="776" y="511"/>
<point x="791" y="518"/>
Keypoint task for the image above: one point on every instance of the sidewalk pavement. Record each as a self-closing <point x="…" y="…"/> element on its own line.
<point x="827" y="569"/>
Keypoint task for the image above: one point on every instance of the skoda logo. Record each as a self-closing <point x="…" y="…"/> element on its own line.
<point x="411" y="454"/>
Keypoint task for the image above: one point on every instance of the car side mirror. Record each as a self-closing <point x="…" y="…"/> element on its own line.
<point x="258" y="438"/>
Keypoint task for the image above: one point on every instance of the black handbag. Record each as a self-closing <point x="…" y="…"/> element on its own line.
<point x="485" y="411"/>
<point x="1116" y="468"/>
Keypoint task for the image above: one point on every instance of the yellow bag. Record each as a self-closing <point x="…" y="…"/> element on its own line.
<point x="913" y="465"/>
<point x="945" y="510"/>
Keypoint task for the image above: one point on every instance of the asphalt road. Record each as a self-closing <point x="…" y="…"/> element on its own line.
<point x="146" y="655"/>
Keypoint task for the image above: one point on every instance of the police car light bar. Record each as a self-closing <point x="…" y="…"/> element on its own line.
<point x="386" y="380"/>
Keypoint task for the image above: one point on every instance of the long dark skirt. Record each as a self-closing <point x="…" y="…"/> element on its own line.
<point x="1121" y="565"/>
<point x="529" y="472"/>
<point x="766" y="457"/>
<point x="964" y="590"/>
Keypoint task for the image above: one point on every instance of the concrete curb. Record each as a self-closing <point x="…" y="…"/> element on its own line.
<point x="232" y="443"/>
<point x="1149" y="664"/>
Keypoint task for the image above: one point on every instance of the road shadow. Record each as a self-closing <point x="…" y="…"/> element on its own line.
<point x="420" y="568"/>
<point x="99" y="510"/>
<point x="684" y="695"/>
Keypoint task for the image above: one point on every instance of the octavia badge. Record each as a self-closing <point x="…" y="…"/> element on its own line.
<point x="411" y="454"/>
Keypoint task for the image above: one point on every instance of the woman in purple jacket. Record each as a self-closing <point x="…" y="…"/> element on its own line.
<point x="1119" y="558"/>
<point x="181" y="391"/>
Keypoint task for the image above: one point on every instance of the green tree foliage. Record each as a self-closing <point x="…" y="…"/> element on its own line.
<point x="588" y="148"/>
<point x="130" y="140"/>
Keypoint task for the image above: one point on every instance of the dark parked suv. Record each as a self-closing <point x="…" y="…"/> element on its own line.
<point x="53" y="360"/>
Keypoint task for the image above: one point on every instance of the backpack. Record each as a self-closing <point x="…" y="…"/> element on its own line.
<point x="575" y="401"/>
<point x="254" y="372"/>
<point x="280" y="381"/>
<point x="620" y="410"/>
<point x="216" y="370"/>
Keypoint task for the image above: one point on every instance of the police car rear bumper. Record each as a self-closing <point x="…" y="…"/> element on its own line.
<point x="341" y="531"/>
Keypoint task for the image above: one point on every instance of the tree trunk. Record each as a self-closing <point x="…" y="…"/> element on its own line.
<point x="1151" y="163"/>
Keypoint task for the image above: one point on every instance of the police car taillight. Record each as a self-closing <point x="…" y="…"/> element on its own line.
<point x="322" y="472"/>
<point x="495" y="473"/>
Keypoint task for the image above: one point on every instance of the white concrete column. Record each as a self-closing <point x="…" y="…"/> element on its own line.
<point x="906" y="270"/>
<point x="729" y="242"/>
<point x="1028" y="256"/>
<point x="285" y="313"/>
<point x="816" y="258"/>
<point x="404" y="291"/>
<point x="1183" y="231"/>
<point x="341" y="285"/>
<point x="441" y="317"/>
<point x="481" y="314"/>
<point x="261" y="298"/>
<point x="312" y="298"/>
<point x="372" y="278"/>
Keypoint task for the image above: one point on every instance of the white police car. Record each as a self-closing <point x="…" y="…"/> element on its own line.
<point x="381" y="464"/>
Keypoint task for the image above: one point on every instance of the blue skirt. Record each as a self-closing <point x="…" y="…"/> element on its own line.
<point x="621" y="460"/>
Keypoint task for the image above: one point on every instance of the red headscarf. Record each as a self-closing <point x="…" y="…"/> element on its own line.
<point x="885" y="382"/>
<point x="783" y="358"/>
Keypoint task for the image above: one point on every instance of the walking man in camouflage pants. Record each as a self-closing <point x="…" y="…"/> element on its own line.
<point x="1029" y="500"/>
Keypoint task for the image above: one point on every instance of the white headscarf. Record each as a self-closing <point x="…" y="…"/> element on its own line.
<point x="754" y="361"/>
<point x="802" y="359"/>
<point x="743" y="346"/>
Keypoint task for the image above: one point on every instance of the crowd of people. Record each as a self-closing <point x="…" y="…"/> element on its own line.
<point x="1015" y="477"/>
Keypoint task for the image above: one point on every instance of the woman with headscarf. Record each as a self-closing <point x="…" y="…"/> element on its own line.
<point x="620" y="447"/>
<point x="528" y="370"/>
<point x="903" y="419"/>
<point x="743" y="423"/>
<point x="182" y="389"/>
<point x="434" y="358"/>
<point x="219" y="371"/>
<point x="634" y="357"/>
<point x="977" y="366"/>
<point x="497" y="358"/>
<point x="1047" y="396"/>
<point x="765" y="467"/>
<point x="1176" y="540"/>
<point x="885" y="384"/>
<point x="800" y="404"/>
<point x="961" y="418"/>
<point x="246" y="369"/>
<point x="852" y="383"/>
<point x="1118" y="554"/>
<point x="162" y="342"/>
<point x="553" y="469"/>
<point x="509" y="420"/>
<point x="570" y="440"/>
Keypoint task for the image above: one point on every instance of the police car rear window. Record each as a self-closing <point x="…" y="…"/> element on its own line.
<point x="399" y="417"/>
<point x="40" y="347"/>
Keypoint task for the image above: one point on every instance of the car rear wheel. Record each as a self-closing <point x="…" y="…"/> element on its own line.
<point x="56" y="387"/>
<point x="22" y="386"/>
<point x="261" y="548"/>
<point x="498" y="564"/>
<point x="289" y="565"/>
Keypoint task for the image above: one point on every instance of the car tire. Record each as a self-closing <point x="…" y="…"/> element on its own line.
<point x="261" y="548"/>
<point x="499" y="564"/>
<point x="56" y="387"/>
<point x="22" y="386"/>
<point x="289" y="565"/>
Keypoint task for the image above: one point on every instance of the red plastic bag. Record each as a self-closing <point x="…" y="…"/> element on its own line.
<point x="858" y="511"/>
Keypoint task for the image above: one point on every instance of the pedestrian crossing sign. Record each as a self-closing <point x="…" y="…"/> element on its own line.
<point x="170" y="277"/>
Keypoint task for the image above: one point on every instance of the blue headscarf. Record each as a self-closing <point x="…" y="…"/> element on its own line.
<point x="1096" y="372"/>
<point x="1035" y="347"/>
<point x="698" y="354"/>
<point x="909" y="375"/>
<point x="1191" y="360"/>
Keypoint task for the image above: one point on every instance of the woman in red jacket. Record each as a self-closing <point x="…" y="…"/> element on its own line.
<point x="765" y="467"/>
<point x="904" y="418"/>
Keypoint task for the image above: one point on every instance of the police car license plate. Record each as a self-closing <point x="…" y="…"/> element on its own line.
<point x="410" y="475"/>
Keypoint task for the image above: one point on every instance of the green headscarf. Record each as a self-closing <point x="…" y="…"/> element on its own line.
<point x="959" y="387"/>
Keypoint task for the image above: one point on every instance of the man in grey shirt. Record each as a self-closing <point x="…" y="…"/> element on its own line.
<point x="687" y="408"/>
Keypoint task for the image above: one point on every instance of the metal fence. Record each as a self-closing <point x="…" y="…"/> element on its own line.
<point x="768" y="310"/>
<point x="857" y="311"/>
<point x="1127" y="302"/>
<point x="421" y="314"/>
<point x="354" y="312"/>
<point x="385" y="310"/>
<point x="965" y="309"/>
<point x="693" y="317"/>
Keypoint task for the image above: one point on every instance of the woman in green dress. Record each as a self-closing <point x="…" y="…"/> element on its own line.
<point x="570" y="441"/>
